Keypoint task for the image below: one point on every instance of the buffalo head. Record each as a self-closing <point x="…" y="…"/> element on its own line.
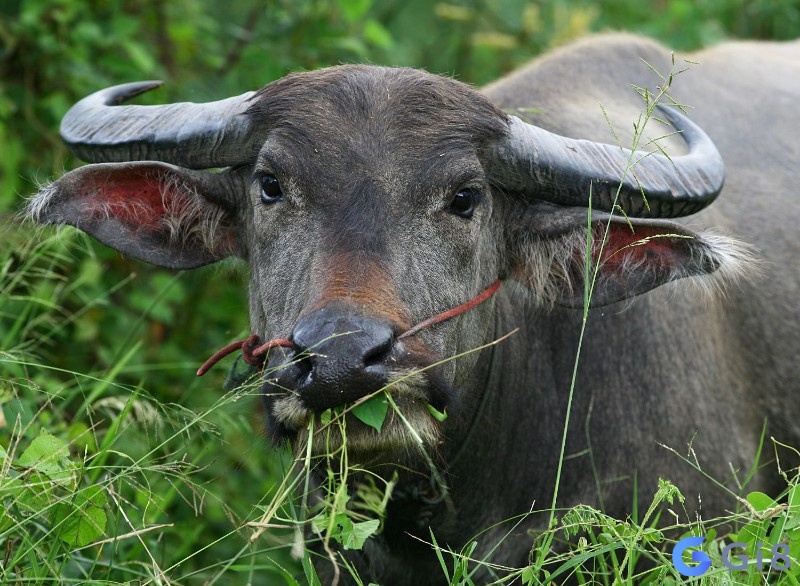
<point x="365" y="200"/>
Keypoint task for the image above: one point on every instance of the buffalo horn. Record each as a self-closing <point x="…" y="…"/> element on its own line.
<point x="546" y="166"/>
<point x="197" y="136"/>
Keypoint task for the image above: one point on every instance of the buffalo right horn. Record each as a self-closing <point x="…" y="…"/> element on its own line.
<point x="545" y="166"/>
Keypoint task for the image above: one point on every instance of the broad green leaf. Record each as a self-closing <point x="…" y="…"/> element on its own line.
<point x="82" y="521"/>
<point x="351" y="535"/>
<point x="793" y="521"/>
<point x="359" y="533"/>
<point x="341" y="524"/>
<point x="319" y="523"/>
<point x="342" y="527"/>
<point x="760" y="501"/>
<point x="43" y="450"/>
<point x="373" y="411"/>
<point x="528" y="576"/>
<point x="33" y="494"/>
<point x="81" y="437"/>
<point x="752" y="532"/>
<point x="325" y="417"/>
<point x="793" y="539"/>
<point x="652" y="535"/>
<point x="437" y="415"/>
<point x="778" y="528"/>
<point x="10" y="485"/>
<point x="49" y="455"/>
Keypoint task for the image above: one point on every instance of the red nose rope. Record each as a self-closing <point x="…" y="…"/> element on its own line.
<point x="254" y="354"/>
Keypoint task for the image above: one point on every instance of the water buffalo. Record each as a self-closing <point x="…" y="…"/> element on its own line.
<point x="366" y="200"/>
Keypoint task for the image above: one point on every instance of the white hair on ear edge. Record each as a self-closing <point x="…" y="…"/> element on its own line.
<point x="35" y="206"/>
<point x="736" y="262"/>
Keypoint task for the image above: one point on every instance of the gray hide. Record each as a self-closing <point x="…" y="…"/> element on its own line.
<point x="393" y="202"/>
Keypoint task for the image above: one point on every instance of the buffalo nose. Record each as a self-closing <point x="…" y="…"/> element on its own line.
<point x="339" y="358"/>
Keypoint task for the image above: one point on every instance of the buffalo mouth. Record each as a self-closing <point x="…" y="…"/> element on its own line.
<point x="407" y="428"/>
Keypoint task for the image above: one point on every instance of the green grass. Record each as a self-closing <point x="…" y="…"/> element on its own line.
<point x="103" y="482"/>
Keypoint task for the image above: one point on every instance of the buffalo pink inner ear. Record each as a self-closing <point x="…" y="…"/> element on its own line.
<point x="152" y="211"/>
<point x="137" y="198"/>
<point x="648" y="245"/>
<point x="634" y="261"/>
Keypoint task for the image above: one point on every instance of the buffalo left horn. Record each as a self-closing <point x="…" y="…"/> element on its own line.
<point x="196" y="136"/>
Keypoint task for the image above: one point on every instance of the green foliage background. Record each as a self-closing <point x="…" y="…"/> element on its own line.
<point x="75" y="313"/>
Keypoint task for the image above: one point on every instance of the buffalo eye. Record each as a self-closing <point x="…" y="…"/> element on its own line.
<point x="270" y="189"/>
<point x="464" y="202"/>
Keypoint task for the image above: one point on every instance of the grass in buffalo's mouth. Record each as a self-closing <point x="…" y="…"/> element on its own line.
<point x="332" y="495"/>
<point x="325" y="493"/>
<point x="349" y="500"/>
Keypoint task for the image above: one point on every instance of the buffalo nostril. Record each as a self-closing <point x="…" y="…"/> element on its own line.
<point x="304" y="367"/>
<point x="378" y="353"/>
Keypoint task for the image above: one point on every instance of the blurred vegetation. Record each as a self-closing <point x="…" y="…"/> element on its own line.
<point x="82" y="329"/>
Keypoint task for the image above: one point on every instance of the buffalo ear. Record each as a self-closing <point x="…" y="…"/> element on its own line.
<point x="155" y="212"/>
<point x="629" y="256"/>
